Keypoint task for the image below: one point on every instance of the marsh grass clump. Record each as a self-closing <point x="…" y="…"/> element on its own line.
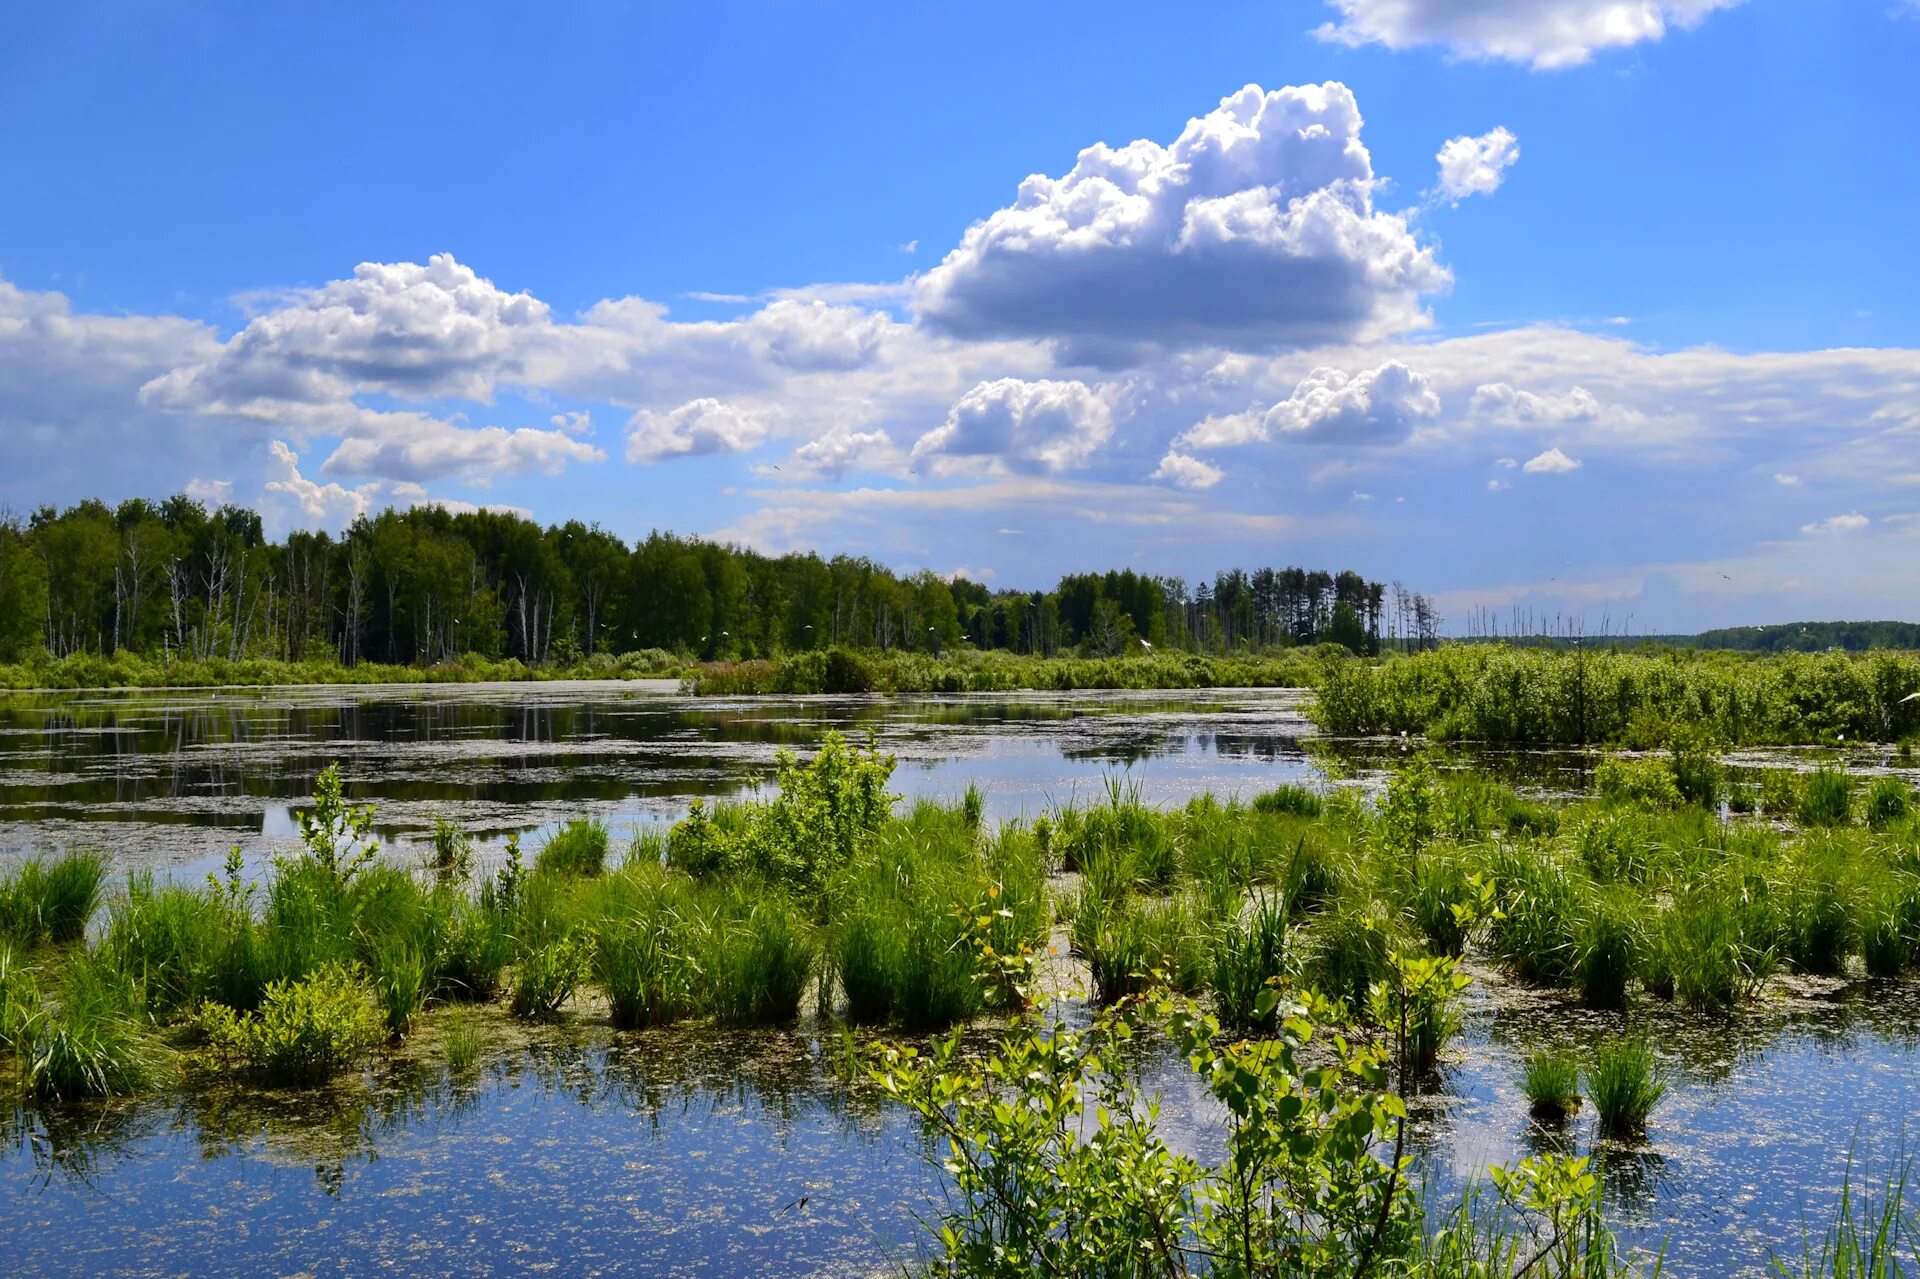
<point x="640" y="961"/>
<point x="1624" y="1084"/>
<point x="1551" y="1082"/>
<point x="1349" y="949"/>
<point x="1289" y="799"/>
<point x="304" y="1032"/>
<point x="87" y="1047"/>
<point x="1249" y="955"/>
<point x="475" y="950"/>
<point x="578" y="848"/>
<point x="181" y="946"/>
<point x="1890" y="928"/>
<point x="1712" y="949"/>
<point x="449" y="852"/>
<point x="401" y="978"/>
<point x="461" y="1041"/>
<point x="51" y="901"/>
<point x="1888" y="801"/>
<point x="1817" y="901"/>
<point x="1542" y="900"/>
<point x="19" y="1001"/>
<point x="1873" y="1235"/>
<point x="1826" y="798"/>
<point x="547" y="975"/>
<point x="1606" y="950"/>
<point x="756" y="953"/>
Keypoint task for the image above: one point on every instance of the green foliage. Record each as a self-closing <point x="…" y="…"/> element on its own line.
<point x="338" y="836"/>
<point x="1407" y="811"/>
<point x="304" y="1032"/>
<point x="1826" y="798"/>
<point x="450" y="852"/>
<point x="1643" y="783"/>
<point x="1551" y="1082"/>
<point x="1295" y="801"/>
<point x="1624" y="1084"/>
<point x="1714" y="946"/>
<point x="1249" y="957"/>
<point x="1888" y="801"/>
<point x="1606" y="951"/>
<point x="547" y="975"/>
<point x="756" y="953"/>
<point x="577" y="848"/>
<point x="825" y="816"/>
<point x="51" y="901"/>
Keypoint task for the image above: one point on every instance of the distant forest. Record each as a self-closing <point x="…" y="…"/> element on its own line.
<point x="425" y="585"/>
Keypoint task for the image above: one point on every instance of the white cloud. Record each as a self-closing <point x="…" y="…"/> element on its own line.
<point x="1496" y="486"/>
<point x="1552" y="462"/>
<point x="330" y="505"/>
<point x="1545" y="34"/>
<point x="1505" y="463"/>
<point x="213" y="493"/>
<point x="1510" y="406"/>
<point x="1475" y="166"/>
<point x="1028" y="426"/>
<point x="1328" y="406"/>
<point x="696" y="428"/>
<point x="1851" y="522"/>
<point x="839" y="451"/>
<point x="1254" y="229"/>
<point x="1785" y="480"/>
<point x="1186" y="471"/>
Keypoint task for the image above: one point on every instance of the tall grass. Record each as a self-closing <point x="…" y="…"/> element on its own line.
<point x="1551" y="1082"/>
<point x="1249" y="954"/>
<point x="577" y="848"/>
<point x="1624" y="1084"/>
<point x="756" y="953"/>
<point x="51" y="901"/>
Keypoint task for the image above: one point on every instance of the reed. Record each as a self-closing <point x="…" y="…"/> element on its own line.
<point x="1249" y="954"/>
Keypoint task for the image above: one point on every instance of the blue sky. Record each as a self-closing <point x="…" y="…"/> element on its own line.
<point x="1644" y="347"/>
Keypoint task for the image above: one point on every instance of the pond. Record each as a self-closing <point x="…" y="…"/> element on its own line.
<point x="576" y="1150"/>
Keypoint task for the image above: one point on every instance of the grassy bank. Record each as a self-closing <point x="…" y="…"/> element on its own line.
<point x="970" y="671"/>
<point x="1524" y="695"/>
<point x="130" y="670"/>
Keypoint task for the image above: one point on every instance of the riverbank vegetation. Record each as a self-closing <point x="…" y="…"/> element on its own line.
<point x="1306" y="952"/>
<point x="1575" y="696"/>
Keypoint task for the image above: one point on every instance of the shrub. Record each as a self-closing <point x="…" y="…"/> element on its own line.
<point x="305" y="1031"/>
<point x="1826" y="798"/>
<point x="1624" y="1085"/>
<point x="546" y="976"/>
<point x="577" y="848"/>
<point x="51" y="901"/>
<point x="1551" y="1083"/>
<point x="1642" y="783"/>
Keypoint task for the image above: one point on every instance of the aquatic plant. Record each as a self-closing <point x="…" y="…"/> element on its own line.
<point x="546" y="975"/>
<point x="577" y="848"/>
<point x="1888" y="800"/>
<point x="1644" y="783"/>
<point x="473" y="955"/>
<point x="337" y="836"/>
<point x="449" y="851"/>
<point x="1249" y="955"/>
<point x="86" y="1046"/>
<point x="1872" y="1236"/>
<point x="19" y="1001"/>
<point x="460" y="1041"/>
<point x="1292" y="800"/>
<point x="1606" y="949"/>
<point x="640" y="961"/>
<point x="401" y="979"/>
<point x="1708" y="952"/>
<point x="1551" y="1082"/>
<point x="1826" y="798"/>
<point x="756" y="954"/>
<point x="182" y="946"/>
<point x="1624" y="1084"/>
<point x="1347" y="950"/>
<point x="51" y="901"/>
<point x="1816" y="898"/>
<point x="973" y="805"/>
<point x="1541" y="902"/>
<point x="304" y="1031"/>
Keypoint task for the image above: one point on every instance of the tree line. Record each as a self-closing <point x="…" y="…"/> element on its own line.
<point x="175" y="579"/>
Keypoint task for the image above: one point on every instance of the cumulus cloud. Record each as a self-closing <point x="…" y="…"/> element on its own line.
<point x="1851" y="522"/>
<point x="1475" y="166"/>
<point x="839" y="451"/>
<point x="1042" y="425"/>
<point x="330" y="505"/>
<point x="1186" y="471"/>
<point x="1551" y="462"/>
<point x="1373" y="407"/>
<point x="1545" y="34"/>
<point x="696" y="428"/>
<point x="1254" y="229"/>
<point x="1785" y="480"/>
<point x="1510" y="406"/>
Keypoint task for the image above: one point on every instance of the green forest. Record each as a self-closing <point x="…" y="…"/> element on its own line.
<point x="176" y="581"/>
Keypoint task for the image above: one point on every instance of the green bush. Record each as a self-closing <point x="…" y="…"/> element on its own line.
<point x="304" y="1032"/>
<point x="1643" y="783"/>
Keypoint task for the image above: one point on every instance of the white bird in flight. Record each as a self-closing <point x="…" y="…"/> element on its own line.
<point x="1910" y="697"/>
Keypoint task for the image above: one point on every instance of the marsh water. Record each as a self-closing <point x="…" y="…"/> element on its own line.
<point x="575" y="1150"/>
